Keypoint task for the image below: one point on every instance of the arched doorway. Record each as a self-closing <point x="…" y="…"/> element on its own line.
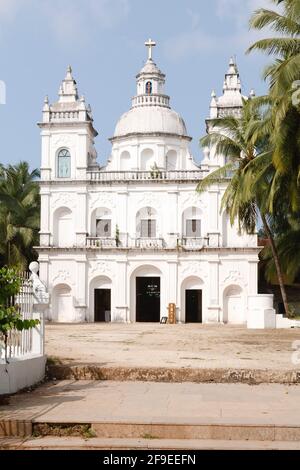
<point x="192" y="300"/>
<point x="62" y="304"/>
<point x="233" y="305"/>
<point x="100" y="299"/>
<point x="146" y="294"/>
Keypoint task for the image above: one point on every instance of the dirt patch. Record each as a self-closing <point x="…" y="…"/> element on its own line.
<point x="63" y="430"/>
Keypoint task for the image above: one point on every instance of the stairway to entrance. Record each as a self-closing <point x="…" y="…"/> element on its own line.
<point x="105" y="414"/>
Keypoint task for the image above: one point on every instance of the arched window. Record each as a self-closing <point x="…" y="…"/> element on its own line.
<point x="192" y="223"/>
<point x="148" y="88"/>
<point x="171" y="160"/>
<point x="146" y="226"/>
<point x="101" y="223"/>
<point x="64" y="164"/>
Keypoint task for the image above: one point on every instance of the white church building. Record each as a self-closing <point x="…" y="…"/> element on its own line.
<point x="121" y="242"/>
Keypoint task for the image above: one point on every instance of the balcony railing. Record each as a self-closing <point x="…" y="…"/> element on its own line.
<point x="152" y="176"/>
<point x="143" y="243"/>
<point x="98" y="242"/>
<point x="148" y="243"/>
<point x="196" y="243"/>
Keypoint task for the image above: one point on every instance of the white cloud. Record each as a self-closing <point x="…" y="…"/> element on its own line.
<point x="10" y="8"/>
<point x="239" y="38"/>
<point x="69" y="20"/>
<point x="240" y="11"/>
<point x="109" y="13"/>
<point x="195" y="18"/>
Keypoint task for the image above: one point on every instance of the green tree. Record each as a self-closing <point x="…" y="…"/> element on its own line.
<point x="243" y="140"/>
<point x="19" y="214"/>
<point x="287" y="243"/>
<point x="284" y="99"/>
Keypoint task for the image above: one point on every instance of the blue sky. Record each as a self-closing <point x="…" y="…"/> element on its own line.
<point x="103" y="40"/>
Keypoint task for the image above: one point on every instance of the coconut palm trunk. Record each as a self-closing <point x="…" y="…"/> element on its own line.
<point x="277" y="264"/>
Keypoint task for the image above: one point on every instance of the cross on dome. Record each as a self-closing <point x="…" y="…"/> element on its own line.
<point x="150" y="43"/>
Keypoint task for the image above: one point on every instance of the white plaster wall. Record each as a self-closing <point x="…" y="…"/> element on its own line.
<point x="21" y="373"/>
<point x="217" y="273"/>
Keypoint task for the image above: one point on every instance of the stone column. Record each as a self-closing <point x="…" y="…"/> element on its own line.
<point x="252" y="277"/>
<point x="81" y="289"/>
<point x="45" y="218"/>
<point x="81" y="156"/>
<point x="81" y="218"/>
<point x="121" y="313"/>
<point x="214" y="231"/>
<point x="172" y="218"/>
<point x="172" y="286"/>
<point x="121" y="216"/>
<point x="135" y="157"/>
<point x="45" y="164"/>
<point x="213" y="304"/>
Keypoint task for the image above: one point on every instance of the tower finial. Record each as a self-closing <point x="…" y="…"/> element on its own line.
<point x="150" y="43"/>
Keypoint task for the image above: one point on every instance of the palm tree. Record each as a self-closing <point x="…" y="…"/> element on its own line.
<point x="286" y="243"/>
<point x="19" y="214"/>
<point x="242" y="144"/>
<point x="283" y="75"/>
<point x="286" y="45"/>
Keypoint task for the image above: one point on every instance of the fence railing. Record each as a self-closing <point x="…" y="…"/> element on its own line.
<point x="23" y="343"/>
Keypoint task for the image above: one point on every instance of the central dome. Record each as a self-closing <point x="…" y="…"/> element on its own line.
<point x="150" y="112"/>
<point x="150" y="120"/>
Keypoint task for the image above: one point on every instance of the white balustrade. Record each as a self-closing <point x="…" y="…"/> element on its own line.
<point x="64" y="115"/>
<point x="190" y="243"/>
<point x="98" y="242"/>
<point x="149" y="243"/>
<point x="153" y="176"/>
<point x="151" y="100"/>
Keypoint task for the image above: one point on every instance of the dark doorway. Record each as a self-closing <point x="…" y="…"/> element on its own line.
<point x="102" y="305"/>
<point x="148" y="299"/>
<point x="193" y="306"/>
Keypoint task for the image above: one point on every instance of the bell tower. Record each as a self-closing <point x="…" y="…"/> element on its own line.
<point x="67" y="134"/>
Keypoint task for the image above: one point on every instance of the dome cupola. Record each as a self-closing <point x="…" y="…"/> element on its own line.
<point x="150" y="111"/>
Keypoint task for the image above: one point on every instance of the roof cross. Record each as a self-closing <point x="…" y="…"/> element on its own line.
<point x="150" y="43"/>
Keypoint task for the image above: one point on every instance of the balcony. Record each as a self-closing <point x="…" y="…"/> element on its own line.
<point x="149" y="243"/>
<point x="156" y="175"/>
<point x="189" y="243"/>
<point x="125" y="242"/>
<point x="102" y="243"/>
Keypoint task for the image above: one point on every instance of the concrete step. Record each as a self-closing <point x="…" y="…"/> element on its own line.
<point x="120" y="429"/>
<point x="77" y="443"/>
<point x="172" y="374"/>
<point x="139" y="410"/>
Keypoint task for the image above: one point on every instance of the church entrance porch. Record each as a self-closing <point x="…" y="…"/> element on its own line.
<point x="102" y="305"/>
<point x="148" y="299"/>
<point x="193" y="306"/>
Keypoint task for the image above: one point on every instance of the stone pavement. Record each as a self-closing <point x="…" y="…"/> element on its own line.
<point x="172" y="346"/>
<point x="77" y="443"/>
<point x="157" y="403"/>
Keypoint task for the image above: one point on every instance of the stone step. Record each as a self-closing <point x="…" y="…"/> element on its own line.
<point x="172" y="375"/>
<point x="133" y="429"/>
<point x="77" y="443"/>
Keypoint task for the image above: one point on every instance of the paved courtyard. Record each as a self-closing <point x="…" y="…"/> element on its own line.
<point x="155" y="345"/>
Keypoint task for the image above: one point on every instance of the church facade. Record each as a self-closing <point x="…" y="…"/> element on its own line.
<point x="121" y="242"/>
